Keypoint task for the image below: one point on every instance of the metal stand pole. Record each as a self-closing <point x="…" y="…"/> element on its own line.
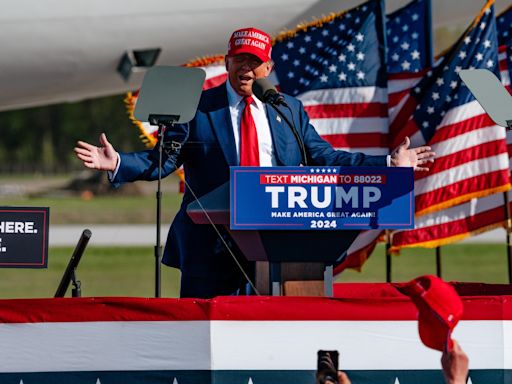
<point x="158" y="246"/>
<point x="438" y="261"/>
<point x="508" y="228"/>
<point x="388" y="258"/>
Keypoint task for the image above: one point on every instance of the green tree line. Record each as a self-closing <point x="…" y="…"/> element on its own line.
<point x="42" y="139"/>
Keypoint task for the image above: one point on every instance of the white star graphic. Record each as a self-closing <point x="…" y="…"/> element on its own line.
<point x="325" y="32"/>
<point x="415" y="54"/>
<point x="307" y="38"/>
<point x="479" y="56"/>
<point x="291" y="75"/>
<point x="489" y="63"/>
<point x="462" y="55"/>
<point x="323" y="79"/>
<point x="453" y="84"/>
<point x="296" y="62"/>
<point x="360" y="56"/>
<point x="319" y="44"/>
<point x="425" y="124"/>
<point x="395" y="57"/>
<point x="359" y="37"/>
<point x="360" y="75"/>
<point x="406" y="65"/>
<point x="302" y="50"/>
<point x="289" y="45"/>
<point x="415" y="17"/>
<point x="351" y="47"/>
<point x="415" y="35"/>
<point x="467" y="39"/>
<point x="342" y="76"/>
<point x="332" y="68"/>
<point x="435" y="96"/>
<point x="351" y="66"/>
<point x="430" y="110"/>
<point x="284" y="57"/>
<point x="342" y="57"/>
<point x="487" y="43"/>
<point x="405" y="45"/>
<point x="440" y="81"/>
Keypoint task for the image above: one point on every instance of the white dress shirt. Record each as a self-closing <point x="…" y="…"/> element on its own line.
<point x="259" y="115"/>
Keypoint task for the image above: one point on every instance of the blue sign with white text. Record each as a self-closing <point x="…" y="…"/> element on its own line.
<point x="322" y="198"/>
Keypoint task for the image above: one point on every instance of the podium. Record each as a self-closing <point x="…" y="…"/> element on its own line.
<point x="282" y="256"/>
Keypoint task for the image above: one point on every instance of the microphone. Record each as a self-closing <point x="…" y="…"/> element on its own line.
<point x="264" y="90"/>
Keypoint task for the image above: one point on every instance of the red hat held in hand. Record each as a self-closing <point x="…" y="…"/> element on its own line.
<point x="440" y="309"/>
<point x="250" y="40"/>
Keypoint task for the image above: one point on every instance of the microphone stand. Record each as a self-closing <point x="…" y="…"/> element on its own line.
<point x="162" y="121"/>
<point x="300" y="143"/>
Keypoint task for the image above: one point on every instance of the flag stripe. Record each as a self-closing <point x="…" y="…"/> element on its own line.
<point x="448" y="162"/>
<point x="362" y="110"/>
<point x="461" y="191"/>
<point x="357" y="140"/>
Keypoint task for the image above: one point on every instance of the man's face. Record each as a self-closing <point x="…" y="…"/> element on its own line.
<point x="243" y="69"/>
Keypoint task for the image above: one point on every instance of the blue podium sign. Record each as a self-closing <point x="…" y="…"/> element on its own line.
<point x="323" y="198"/>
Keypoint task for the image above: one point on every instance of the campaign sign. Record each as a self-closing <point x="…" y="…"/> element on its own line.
<point x="24" y="237"/>
<point x="324" y="198"/>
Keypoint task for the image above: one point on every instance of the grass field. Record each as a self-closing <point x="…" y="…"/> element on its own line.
<point x="114" y="271"/>
<point x="103" y="209"/>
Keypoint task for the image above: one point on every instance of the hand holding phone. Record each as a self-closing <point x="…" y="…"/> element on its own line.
<point x="327" y="367"/>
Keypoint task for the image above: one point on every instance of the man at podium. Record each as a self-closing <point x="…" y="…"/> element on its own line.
<point x="230" y="128"/>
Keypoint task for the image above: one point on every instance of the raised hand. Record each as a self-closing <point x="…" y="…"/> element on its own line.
<point x="103" y="158"/>
<point x="418" y="158"/>
<point x="455" y="365"/>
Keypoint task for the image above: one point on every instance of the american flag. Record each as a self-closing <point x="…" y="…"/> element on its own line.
<point x="471" y="153"/>
<point x="409" y="38"/>
<point x="472" y="159"/>
<point x="409" y="50"/>
<point x="504" y="26"/>
<point x="337" y="69"/>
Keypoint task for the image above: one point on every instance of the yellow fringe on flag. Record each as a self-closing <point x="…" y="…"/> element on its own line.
<point x="447" y="240"/>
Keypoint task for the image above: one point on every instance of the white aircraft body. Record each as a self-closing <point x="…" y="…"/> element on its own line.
<point x="56" y="51"/>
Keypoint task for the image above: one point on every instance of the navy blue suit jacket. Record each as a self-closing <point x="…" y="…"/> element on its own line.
<point x="207" y="154"/>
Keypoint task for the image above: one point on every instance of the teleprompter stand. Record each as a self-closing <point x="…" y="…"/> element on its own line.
<point x="168" y="96"/>
<point x="282" y="256"/>
<point x="497" y="102"/>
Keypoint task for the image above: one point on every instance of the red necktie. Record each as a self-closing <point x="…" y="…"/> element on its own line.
<point x="249" y="149"/>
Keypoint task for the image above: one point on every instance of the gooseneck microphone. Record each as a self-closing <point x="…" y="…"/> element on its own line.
<point x="264" y="90"/>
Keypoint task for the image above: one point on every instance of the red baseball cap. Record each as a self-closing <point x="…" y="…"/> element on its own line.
<point x="250" y="40"/>
<point x="440" y="309"/>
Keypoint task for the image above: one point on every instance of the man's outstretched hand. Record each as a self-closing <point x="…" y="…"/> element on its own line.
<point x="103" y="158"/>
<point x="418" y="158"/>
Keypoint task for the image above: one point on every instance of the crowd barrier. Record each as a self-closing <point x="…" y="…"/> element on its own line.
<point x="256" y="340"/>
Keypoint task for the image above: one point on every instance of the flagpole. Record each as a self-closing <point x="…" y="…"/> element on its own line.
<point x="508" y="229"/>
<point x="438" y="261"/>
<point x="388" y="258"/>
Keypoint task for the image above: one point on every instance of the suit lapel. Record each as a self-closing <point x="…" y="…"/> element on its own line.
<point x="220" y="119"/>
<point x="277" y="127"/>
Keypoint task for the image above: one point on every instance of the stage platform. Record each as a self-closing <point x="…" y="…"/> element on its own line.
<point x="259" y="340"/>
